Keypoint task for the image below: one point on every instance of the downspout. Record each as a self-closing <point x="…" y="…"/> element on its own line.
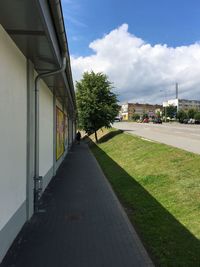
<point x="37" y="178"/>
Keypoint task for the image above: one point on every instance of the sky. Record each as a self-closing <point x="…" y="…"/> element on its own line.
<point x="143" y="46"/>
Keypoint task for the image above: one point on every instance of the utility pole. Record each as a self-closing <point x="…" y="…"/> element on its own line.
<point x="176" y="90"/>
<point x="177" y="98"/>
<point x="165" y="98"/>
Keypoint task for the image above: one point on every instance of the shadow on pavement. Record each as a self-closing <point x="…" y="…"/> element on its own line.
<point x="165" y="238"/>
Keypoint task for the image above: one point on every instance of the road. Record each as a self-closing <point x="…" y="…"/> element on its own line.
<point x="183" y="136"/>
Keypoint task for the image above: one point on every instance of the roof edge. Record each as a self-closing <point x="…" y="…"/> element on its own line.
<point x="57" y="14"/>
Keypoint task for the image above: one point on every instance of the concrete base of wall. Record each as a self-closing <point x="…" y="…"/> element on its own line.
<point x="11" y="229"/>
<point x="47" y="178"/>
<point x="14" y="225"/>
<point x="58" y="162"/>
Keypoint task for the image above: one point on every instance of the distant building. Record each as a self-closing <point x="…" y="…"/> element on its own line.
<point x="128" y="109"/>
<point x="183" y="104"/>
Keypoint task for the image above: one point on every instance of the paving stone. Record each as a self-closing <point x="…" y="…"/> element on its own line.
<point x="83" y="226"/>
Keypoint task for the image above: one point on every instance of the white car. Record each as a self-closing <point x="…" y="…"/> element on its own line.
<point x="117" y="119"/>
<point x="191" y="121"/>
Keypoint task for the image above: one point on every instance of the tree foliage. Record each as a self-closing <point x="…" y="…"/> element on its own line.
<point x="136" y="117"/>
<point x="191" y="113"/>
<point x="181" y="115"/>
<point x="96" y="104"/>
<point x="158" y="114"/>
<point x="171" y="111"/>
<point x="197" y="116"/>
<point x="145" y="116"/>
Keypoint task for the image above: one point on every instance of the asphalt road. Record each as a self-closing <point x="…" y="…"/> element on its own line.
<point x="183" y="136"/>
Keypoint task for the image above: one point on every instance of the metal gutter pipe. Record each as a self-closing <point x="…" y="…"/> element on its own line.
<point x="37" y="178"/>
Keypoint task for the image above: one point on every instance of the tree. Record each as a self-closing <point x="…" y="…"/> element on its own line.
<point x="197" y="116"/>
<point x="181" y="115"/>
<point x="136" y="117"/>
<point x="171" y="111"/>
<point x="158" y="114"/>
<point x="191" y="113"/>
<point x="96" y="104"/>
<point x="145" y="116"/>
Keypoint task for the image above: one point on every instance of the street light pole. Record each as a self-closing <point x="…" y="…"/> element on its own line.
<point x="165" y="107"/>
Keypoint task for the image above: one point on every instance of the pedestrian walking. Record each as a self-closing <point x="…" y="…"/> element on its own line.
<point x="78" y="137"/>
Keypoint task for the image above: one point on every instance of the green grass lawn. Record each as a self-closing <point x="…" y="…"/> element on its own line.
<point x="159" y="187"/>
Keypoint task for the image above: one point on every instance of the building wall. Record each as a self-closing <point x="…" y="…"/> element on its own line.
<point x="58" y="104"/>
<point x="183" y="104"/>
<point x="188" y="104"/>
<point x="13" y="132"/>
<point x="30" y="139"/>
<point x="66" y="138"/>
<point x="124" y="108"/>
<point x="66" y="131"/>
<point x="45" y="134"/>
<point x="131" y="111"/>
<point x="141" y="109"/>
<point x="127" y="110"/>
<point x="70" y="128"/>
<point x="125" y="116"/>
<point x="17" y="139"/>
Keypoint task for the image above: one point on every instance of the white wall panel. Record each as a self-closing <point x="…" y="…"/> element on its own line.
<point x="13" y="110"/>
<point x="46" y="129"/>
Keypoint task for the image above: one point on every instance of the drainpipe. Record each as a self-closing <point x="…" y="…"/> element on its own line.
<point x="37" y="178"/>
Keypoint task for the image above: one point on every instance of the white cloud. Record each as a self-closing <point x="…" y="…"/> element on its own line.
<point x="140" y="71"/>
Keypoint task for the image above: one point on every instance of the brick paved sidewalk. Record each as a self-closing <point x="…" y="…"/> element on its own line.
<point x="83" y="226"/>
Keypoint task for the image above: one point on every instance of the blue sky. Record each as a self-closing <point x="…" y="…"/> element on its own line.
<point x="172" y="22"/>
<point x="167" y="31"/>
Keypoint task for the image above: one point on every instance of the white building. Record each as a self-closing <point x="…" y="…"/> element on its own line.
<point x="183" y="104"/>
<point x="37" y="121"/>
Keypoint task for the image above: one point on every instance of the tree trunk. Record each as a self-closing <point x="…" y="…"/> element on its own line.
<point x="96" y="136"/>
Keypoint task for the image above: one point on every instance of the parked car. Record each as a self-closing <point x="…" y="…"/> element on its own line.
<point x="157" y="120"/>
<point x="191" y="121"/>
<point x="197" y="121"/>
<point x="117" y="119"/>
<point x="185" y="121"/>
<point x="146" y="120"/>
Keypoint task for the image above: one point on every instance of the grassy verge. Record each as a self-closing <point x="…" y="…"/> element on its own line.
<point x="159" y="186"/>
